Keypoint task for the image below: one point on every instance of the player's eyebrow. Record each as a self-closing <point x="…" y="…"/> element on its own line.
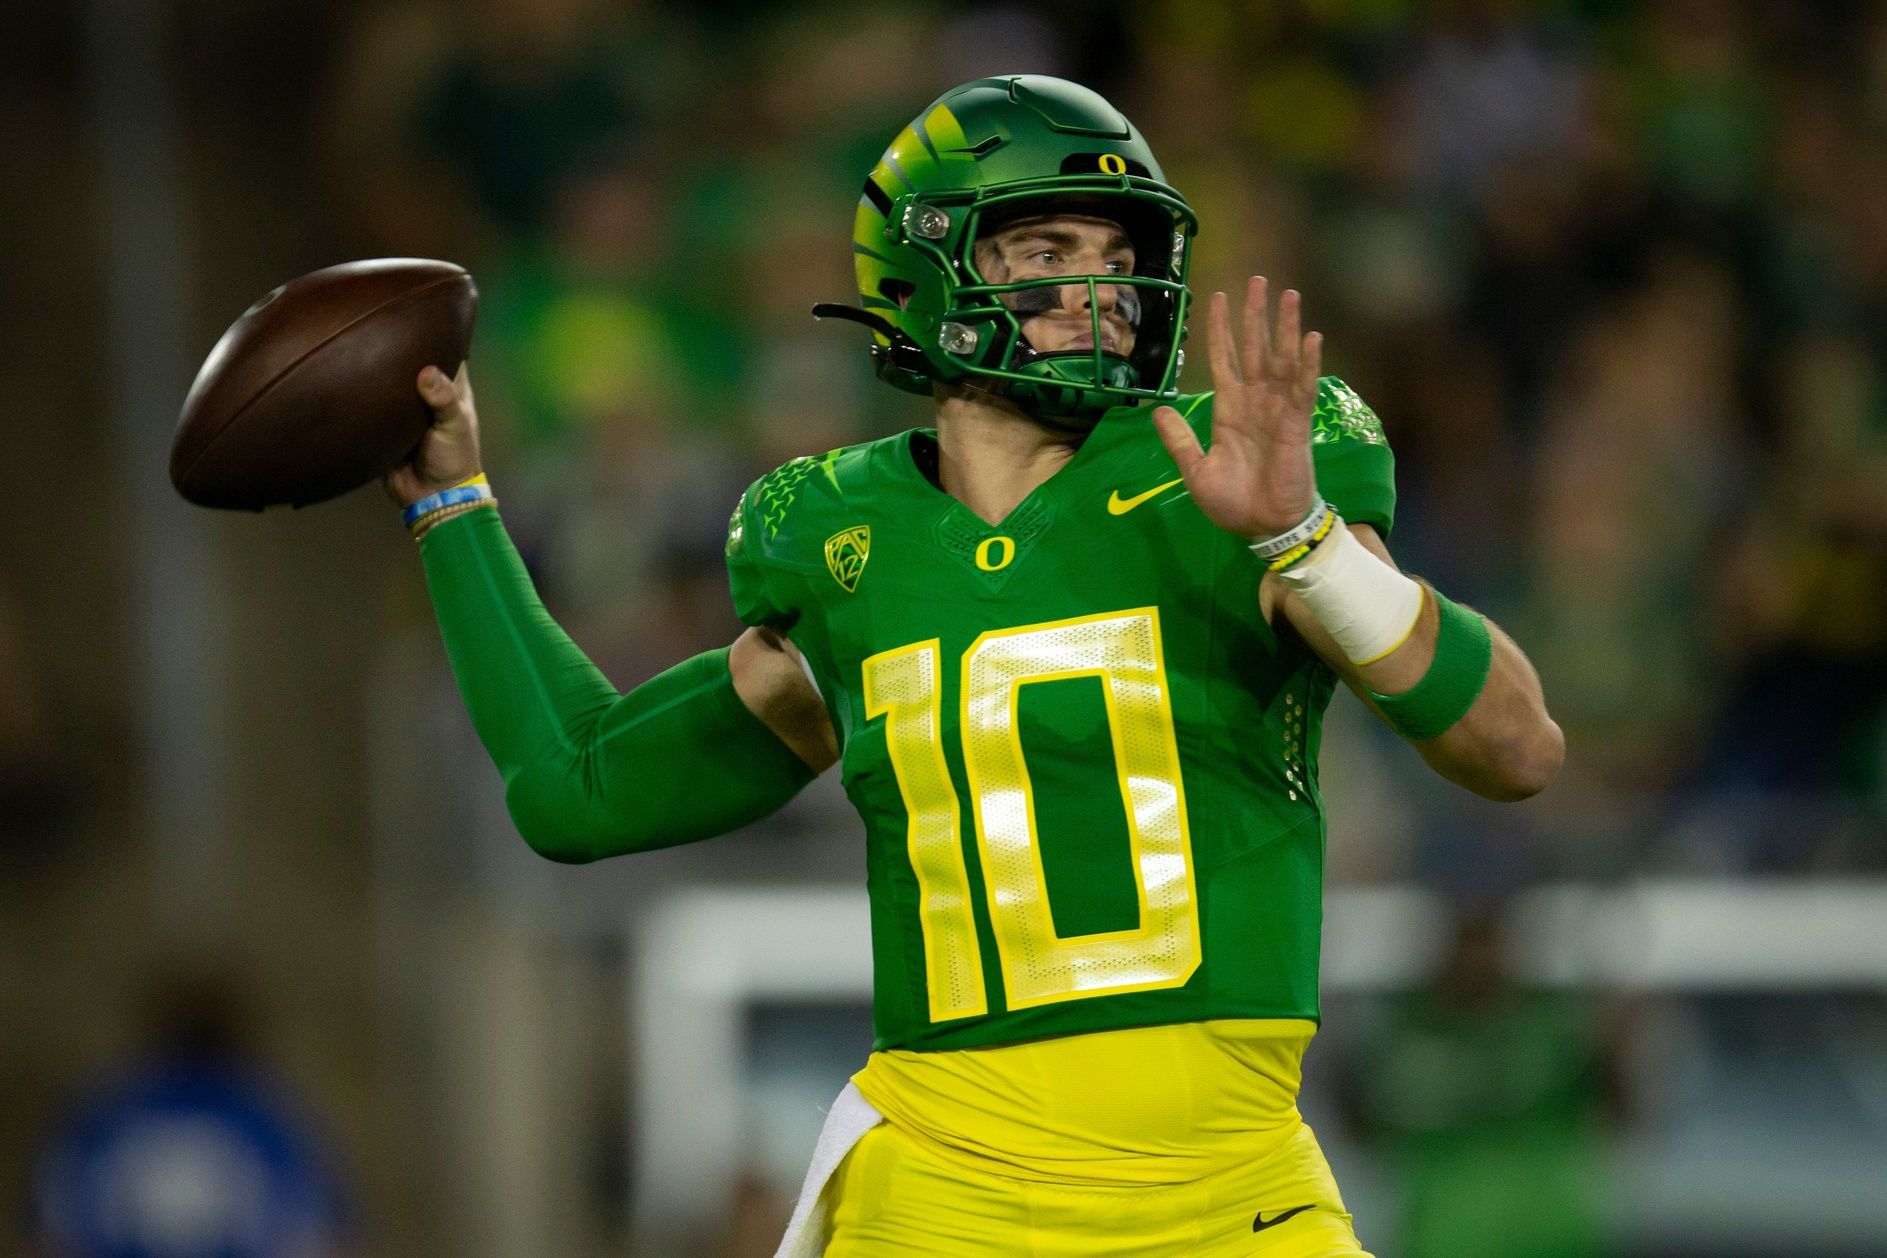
<point x="1062" y="238"/>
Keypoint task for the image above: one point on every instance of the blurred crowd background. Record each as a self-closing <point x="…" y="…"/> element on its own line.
<point x="1614" y="275"/>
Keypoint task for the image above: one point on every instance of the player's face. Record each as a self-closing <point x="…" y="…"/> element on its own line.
<point x="1064" y="244"/>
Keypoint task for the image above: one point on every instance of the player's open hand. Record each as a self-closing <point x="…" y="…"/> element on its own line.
<point x="448" y="453"/>
<point x="1257" y="480"/>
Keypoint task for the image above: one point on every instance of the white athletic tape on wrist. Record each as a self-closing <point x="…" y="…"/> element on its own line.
<point x="1365" y="604"/>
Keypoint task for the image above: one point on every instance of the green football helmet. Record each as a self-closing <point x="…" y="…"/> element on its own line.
<point x="987" y="153"/>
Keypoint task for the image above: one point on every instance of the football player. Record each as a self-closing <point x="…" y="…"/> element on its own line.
<point x="1072" y="649"/>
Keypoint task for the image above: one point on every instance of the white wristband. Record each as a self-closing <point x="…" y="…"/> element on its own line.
<point x="1367" y="606"/>
<point x="1269" y="548"/>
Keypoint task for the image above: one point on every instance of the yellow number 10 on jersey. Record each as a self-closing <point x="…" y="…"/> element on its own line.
<point x="1038" y="966"/>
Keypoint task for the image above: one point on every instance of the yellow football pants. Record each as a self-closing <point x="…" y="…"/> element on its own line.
<point x="897" y="1196"/>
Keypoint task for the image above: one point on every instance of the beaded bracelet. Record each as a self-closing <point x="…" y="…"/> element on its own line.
<point x="426" y="523"/>
<point x="470" y="489"/>
<point x="1292" y="557"/>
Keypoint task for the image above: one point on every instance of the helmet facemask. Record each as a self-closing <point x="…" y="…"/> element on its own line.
<point x="988" y="153"/>
<point x="1069" y="388"/>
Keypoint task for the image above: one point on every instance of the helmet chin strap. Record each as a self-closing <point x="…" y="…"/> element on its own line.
<point x="1000" y="389"/>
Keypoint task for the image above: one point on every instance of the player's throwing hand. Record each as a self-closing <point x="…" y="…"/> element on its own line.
<point x="448" y="453"/>
<point x="1257" y="480"/>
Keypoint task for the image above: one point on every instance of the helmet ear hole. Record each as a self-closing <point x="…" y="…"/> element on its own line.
<point x="896" y="290"/>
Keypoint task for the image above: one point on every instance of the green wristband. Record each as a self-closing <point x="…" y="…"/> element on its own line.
<point x="1464" y="652"/>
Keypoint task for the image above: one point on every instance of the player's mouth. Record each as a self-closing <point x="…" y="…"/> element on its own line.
<point x="1110" y="340"/>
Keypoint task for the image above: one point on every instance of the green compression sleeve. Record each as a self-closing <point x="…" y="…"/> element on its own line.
<point x="590" y="772"/>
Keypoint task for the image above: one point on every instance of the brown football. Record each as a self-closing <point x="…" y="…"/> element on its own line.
<point x="311" y="392"/>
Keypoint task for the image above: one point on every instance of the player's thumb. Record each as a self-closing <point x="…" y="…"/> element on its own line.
<point x="438" y="391"/>
<point x="1179" y="439"/>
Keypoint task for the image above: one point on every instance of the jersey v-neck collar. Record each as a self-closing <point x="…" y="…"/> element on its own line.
<point x="909" y="461"/>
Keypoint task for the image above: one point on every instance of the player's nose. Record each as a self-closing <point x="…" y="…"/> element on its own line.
<point x="1076" y="298"/>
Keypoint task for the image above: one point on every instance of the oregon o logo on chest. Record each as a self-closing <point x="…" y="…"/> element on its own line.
<point x="994" y="553"/>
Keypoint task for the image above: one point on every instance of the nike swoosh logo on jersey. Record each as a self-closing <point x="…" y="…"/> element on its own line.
<point x="1117" y="505"/>
<point x="1260" y="1223"/>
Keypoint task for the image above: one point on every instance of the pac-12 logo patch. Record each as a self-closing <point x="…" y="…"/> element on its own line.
<point x="846" y="553"/>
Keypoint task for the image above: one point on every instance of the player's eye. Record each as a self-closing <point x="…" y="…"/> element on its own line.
<point x="1047" y="257"/>
<point x="1117" y="268"/>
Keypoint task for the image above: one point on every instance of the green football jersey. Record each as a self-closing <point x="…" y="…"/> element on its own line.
<point x="1086" y="764"/>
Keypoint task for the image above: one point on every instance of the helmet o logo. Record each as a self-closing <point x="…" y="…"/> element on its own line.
<point x="984" y="549"/>
<point x="1113" y="164"/>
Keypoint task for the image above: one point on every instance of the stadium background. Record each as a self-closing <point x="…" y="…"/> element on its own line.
<point x="1614" y="274"/>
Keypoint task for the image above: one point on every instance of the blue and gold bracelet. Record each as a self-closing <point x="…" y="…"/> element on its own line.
<point x="470" y="489"/>
<point x="468" y="495"/>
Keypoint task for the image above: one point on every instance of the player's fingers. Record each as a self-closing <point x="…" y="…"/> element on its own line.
<point x="1312" y="368"/>
<point x="1179" y="439"/>
<point x="1225" y="377"/>
<point x="1257" y="347"/>
<point x="1287" y="349"/>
